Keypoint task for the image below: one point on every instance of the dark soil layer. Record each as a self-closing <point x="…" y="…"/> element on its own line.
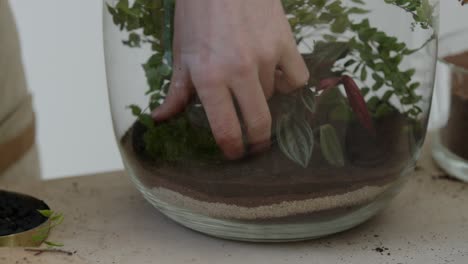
<point x="271" y="178"/>
<point x="454" y="135"/>
<point x="18" y="213"/>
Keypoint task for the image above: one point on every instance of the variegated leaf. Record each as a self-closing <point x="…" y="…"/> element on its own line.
<point x="331" y="147"/>
<point x="295" y="139"/>
<point x="308" y="99"/>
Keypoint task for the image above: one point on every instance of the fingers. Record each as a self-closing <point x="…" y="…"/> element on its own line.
<point x="255" y="111"/>
<point x="294" y="70"/>
<point x="219" y="107"/>
<point x="177" y="98"/>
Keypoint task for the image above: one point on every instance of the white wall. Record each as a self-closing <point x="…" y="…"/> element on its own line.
<point x="63" y="55"/>
<point x="62" y="47"/>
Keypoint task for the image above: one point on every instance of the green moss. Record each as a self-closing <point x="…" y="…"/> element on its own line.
<point x="177" y="139"/>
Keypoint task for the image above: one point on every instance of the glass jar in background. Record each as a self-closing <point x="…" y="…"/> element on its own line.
<point x="341" y="147"/>
<point x="450" y="149"/>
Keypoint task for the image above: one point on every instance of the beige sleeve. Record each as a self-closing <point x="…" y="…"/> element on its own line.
<point x="16" y="112"/>
<point x="15" y="103"/>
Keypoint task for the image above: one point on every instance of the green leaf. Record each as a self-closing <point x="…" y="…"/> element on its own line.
<point x="357" y="10"/>
<point x="46" y="213"/>
<point x="136" y="110"/>
<point x="387" y="95"/>
<point x="341" y="112"/>
<point x="340" y="25"/>
<point x="329" y="38"/>
<point x="133" y="41"/>
<point x="146" y="120"/>
<point x="331" y="147"/>
<point x="57" y="220"/>
<point x="308" y="99"/>
<point x="39" y="237"/>
<point x="349" y="63"/>
<point x="361" y="2"/>
<point x="295" y="139"/>
<point x="383" y="110"/>
<point x="53" y="244"/>
<point x="363" y="74"/>
<point x="365" y="91"/>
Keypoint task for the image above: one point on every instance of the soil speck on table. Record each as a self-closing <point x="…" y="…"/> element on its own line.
<point x="382" y="250"/>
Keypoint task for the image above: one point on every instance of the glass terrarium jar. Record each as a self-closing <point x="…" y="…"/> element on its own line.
<point x="341" y="146"/>
<point x="449" y="148"/>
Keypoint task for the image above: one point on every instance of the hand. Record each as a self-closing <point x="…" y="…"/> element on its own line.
<point x="225" y="49"/>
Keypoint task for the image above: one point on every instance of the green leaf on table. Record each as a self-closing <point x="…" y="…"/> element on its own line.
<point x="331" y="147"/>
<point x="295" y="139"/>
<point x="46" y="213"/>
<point x="41" y="235"/>
<point x="53" y="244"/>
<point x="57" y="219"/>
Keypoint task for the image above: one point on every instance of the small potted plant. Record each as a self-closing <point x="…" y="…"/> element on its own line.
<point x="25" y="221"/>
<point x="341" y="145"/>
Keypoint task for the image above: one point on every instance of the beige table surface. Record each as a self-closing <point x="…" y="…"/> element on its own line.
<point x="107" y="221"/>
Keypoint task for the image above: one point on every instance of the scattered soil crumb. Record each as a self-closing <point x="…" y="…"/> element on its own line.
<point x="382" y="250"/>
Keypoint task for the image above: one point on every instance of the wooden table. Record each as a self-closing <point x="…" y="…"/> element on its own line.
<point x="107" y="221"/>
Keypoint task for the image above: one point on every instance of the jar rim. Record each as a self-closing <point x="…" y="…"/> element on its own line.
<point x="442" y="60"/>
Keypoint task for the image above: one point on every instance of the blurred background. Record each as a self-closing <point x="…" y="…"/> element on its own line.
<point x="63" y="57"/>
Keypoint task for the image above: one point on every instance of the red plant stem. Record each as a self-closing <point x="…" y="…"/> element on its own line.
<point x="357" y="103"/>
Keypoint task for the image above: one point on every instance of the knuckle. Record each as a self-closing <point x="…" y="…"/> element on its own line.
<point x="243" y="65"/>
<point x="268" y="56"/>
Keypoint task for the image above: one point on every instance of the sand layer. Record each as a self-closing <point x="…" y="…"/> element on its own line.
<point x="274" y="211"/>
